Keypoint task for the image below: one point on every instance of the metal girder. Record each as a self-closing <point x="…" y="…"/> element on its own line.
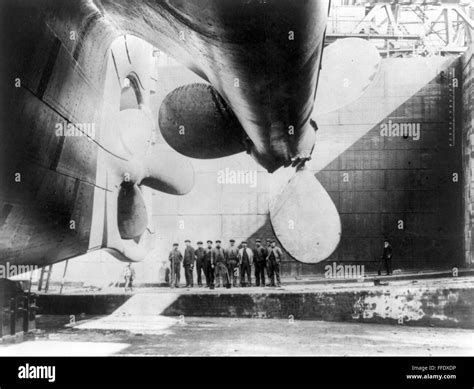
<point x="438" y="27"/>
<point x="454" y="22"/>
<point x="369" y="22"/>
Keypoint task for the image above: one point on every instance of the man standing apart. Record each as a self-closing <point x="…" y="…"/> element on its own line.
<point x="232" y="260"/>
<point x="245" y="262"/>
<point x="386" y="259"/>
<point x="274" y="258"/>
<point x="200" y="254"/>
<point x="260" y="258"/>
<point x="209" y="265"/>
<point x="188" y="263"/>
<point x="175" y="259"/>
<point x="129" y="276"/>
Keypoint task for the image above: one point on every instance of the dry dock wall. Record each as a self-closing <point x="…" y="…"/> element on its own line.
<point x="450" y="306"/>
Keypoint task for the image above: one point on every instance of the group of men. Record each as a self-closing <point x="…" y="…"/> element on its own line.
<point x="227" y="267"/>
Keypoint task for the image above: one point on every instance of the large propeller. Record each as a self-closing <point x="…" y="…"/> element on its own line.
<point x="305" y="219"/>
<point x="142" y="164"/>
<point x="197" y="122"/>
<point x="303" y="215"/>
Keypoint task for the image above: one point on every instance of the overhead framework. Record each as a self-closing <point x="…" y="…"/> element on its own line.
<point x="405" y="28"/>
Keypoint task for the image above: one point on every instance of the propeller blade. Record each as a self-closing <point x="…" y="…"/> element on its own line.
<point x="305" y="219"/>
<point x="348" y="67"/>
<point x="197" y="122"/>
<point x="132" y="215"/>
<point x="168" y="173"/>
<point x="134" y="129"/>
<point x="162" y="170"/>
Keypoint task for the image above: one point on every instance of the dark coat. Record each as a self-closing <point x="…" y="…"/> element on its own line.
<point x="189" y="256"/>
<point x="387" y="252"/>
<point x="210" y="258"/>
<point x="175" y="257"/>
<point x="260" y="254"/>
<point x="219" y="254"/>
<point x="200" y="254"/>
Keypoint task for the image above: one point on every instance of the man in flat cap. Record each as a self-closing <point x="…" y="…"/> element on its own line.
<point x="209" y="265"/>
<point x="232" y="260"/>
<point x="245" y="262"/>
<point x="200" y="254"/>
<point x="221" y="273"/>
<point x="260" y="259"/>
<point x="175" y="259"/>
<point x="274" y="258"/>
<point x="188" y="263"/>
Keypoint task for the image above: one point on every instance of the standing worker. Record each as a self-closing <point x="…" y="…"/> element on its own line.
<point x="221" y="269"/>
<point x="245" y="262"/>
<point x="129" y="276"/>
<point x="267" y="263"/>
<point x="200" y="254"/>
<point x="260" y="259"/>
<point x="175" y="259"/>
<point x="209" y="265"/>
<point x="232" y="260"/>
<point x="386" y="259"/>
<point x="273" y="259"/>
<point x="188" y="263"/>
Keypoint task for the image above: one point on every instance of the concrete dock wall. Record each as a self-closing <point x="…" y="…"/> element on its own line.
<point x="443" y="307"/>
<point x="451" y="306"/>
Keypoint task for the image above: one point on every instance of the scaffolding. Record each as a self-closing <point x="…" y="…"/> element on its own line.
<point x="405" y="28"/>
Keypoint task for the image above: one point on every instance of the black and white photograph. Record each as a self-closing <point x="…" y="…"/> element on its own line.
<point x="236" y="178"/>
